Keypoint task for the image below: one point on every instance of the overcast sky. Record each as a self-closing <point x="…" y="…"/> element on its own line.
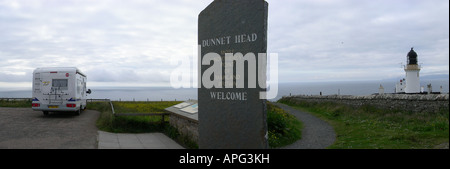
<point x="118" y="42"/>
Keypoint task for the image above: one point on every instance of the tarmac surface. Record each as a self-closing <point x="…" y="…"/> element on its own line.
<point x="23" y="128"/>
<point x="316" y="133"/>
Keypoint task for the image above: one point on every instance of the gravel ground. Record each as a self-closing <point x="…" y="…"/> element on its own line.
<point x="442" y="146"/>
<point x="23" y="128"/>
<point x="316" y="133"/>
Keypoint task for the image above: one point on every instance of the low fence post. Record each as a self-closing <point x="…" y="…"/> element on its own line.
<point x="112" y="107"/>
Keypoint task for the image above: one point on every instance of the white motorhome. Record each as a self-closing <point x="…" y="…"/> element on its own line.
<point x="59" y="89"/>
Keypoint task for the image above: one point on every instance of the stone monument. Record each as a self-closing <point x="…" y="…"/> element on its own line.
<point x="232" y="35"/>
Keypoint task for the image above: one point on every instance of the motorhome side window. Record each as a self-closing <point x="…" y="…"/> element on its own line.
<point x="61" y="83"/>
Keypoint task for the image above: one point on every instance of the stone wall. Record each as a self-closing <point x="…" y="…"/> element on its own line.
<point x="186" y="126"/>
<point x="407" y="102"/>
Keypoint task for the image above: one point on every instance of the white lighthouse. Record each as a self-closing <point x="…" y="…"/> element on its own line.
<point x="412" y="70"/>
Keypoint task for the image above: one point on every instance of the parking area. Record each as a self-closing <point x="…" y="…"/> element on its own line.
<point x="23" y="128"/>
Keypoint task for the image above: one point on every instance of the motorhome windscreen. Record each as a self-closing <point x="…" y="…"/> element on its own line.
<point x="59" y="83"/>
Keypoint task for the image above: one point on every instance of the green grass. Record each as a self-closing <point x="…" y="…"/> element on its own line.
<point x="138" y="124"/>
<point x="143" y="107"/>
<point x="284" y="128"/>
<point x="131" y="124"/>
<point x="16" y="103"/>
<point x="369" y="127"/>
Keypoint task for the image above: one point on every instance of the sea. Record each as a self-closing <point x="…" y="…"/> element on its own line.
<point x="359" y="88"/>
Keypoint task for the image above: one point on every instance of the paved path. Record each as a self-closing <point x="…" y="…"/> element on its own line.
<point x="108" y="140"/>
<point x="316" y="133"/>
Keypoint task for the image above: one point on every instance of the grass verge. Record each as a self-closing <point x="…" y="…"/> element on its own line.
<point x="131" y="124"/>
<point x="284" y="128"/>
<point x="16" y="103"/>
<point x="138" y="124"/>
<point x="369" y="127"/>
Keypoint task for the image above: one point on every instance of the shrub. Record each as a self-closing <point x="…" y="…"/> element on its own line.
<point x="283" y="128"/>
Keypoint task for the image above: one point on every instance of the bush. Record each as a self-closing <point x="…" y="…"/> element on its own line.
<point x="283" y="128"/>
<point x="276" y="119"/>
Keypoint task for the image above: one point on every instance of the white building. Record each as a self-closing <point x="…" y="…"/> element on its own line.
<point x="400" y="86"/>
<point x="411" y="83"/>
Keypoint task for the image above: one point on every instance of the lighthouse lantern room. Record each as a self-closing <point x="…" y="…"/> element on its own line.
<point x="412" y="70"/>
